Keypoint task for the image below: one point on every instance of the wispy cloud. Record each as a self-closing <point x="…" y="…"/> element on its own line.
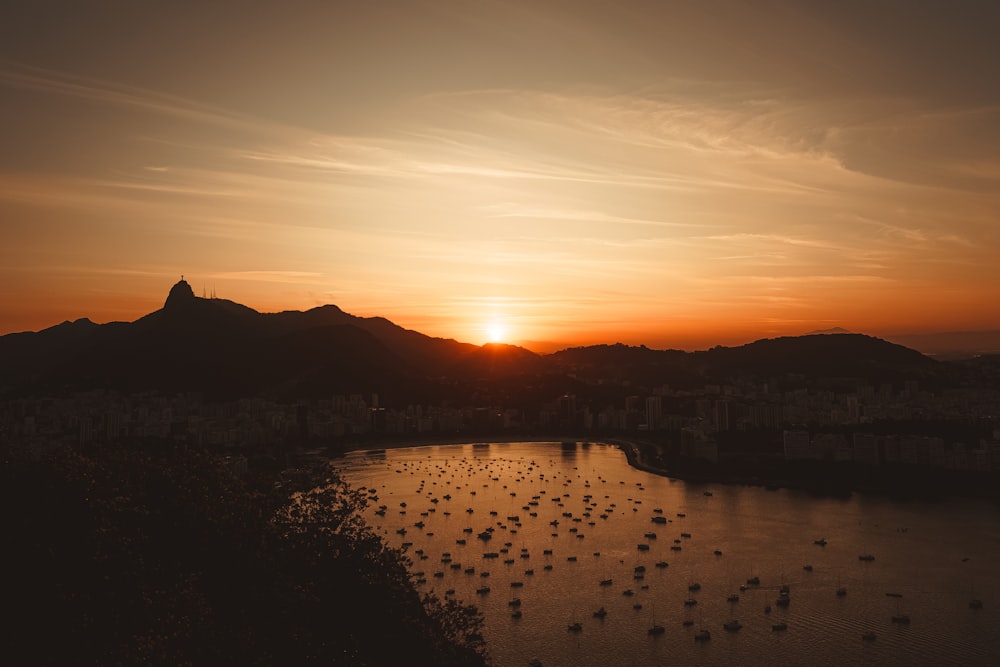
<point x="40" y="79"/>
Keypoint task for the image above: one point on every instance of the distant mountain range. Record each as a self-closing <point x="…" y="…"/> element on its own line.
<point x="223" y="348"/>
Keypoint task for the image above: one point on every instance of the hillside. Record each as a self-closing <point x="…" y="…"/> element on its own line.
<point x="222" y="348"/>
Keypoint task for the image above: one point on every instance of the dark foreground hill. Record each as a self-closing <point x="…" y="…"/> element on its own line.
<point x="159" y="554"/>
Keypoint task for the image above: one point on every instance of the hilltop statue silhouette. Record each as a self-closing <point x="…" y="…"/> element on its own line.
<point x="180" y="293"/>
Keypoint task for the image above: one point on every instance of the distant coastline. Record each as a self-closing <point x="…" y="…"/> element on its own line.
<point x="823" y="480"/>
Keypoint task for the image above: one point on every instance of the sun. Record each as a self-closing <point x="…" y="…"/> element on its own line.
<point x="496" y="332"/>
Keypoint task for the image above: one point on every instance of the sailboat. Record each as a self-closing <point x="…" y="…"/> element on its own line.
<point x="574" y="626"/>
<point x="655" y="629"/>
<point x="974" y="602"/>
<point x="702" y="635"/>
<point x="900" y="617"/>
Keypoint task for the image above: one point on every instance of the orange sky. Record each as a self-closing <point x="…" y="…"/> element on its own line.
<point x="669" y="173"/>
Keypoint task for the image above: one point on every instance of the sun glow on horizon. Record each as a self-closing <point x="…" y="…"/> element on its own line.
<point x="496" y="332"/>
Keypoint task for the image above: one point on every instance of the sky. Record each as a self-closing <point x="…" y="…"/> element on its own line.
<point x="548" y="173"/>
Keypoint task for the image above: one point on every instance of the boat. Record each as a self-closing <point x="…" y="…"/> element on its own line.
<point x="807" y="568"/>
<point x="900" y="617"/>
<point x="868" y="636"/>
<point x="703" y="636"/>
<point x="601" y="613"/>
<point x="690" y="602"/>
<point x="841" y="591"/>
<point x="707" y="493"/>
<point x="821" y="542"/>
<point x="516" y="613"/>
<point x="657" y="630"/>
<point x="733" y="598"/>
<point x="483" y="590"/>
<point x="662" y="564"/>
<point x="779" y="627"/>
<point x="650" y="536"/>
<point x="687" y="622"/>
<point x="516" y="602"/>
<point x="753" y="581"/>
<point x="659" y="519"/>
<point x="975" y="603"/>
<point x="866" y="557"/>
<point x="605" y="582"/>
<point x="694" y="587"/>
<point x="732" y="626"/>
<point x="643" y="547"/>
<point x="574" y="627"/>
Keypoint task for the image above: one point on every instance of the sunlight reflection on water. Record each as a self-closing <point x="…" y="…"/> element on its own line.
<point x="562" y="519"/>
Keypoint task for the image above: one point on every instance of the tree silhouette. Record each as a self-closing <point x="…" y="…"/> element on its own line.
<point x="157" y="554"/>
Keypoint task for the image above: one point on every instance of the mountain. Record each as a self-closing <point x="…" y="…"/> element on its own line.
<point x="223" y="348"/>
<point x="834" y="330"/>
<point x="625" y="363"/>
<point x="817" y="355"/>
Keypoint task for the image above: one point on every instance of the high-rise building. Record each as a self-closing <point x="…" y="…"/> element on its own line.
<point x="654" y="412"/>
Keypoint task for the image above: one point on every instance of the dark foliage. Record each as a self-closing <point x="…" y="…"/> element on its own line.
<point x="161" y="555"/>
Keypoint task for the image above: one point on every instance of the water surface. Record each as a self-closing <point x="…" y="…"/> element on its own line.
<point x="585" y="505"/>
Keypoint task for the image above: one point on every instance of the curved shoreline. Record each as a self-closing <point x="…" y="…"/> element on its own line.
<point x="903" y="485"/>
<point x="631" y="450"/>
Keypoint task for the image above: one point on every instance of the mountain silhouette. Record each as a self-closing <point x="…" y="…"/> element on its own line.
<point x="817" y="355"/>
<point x="222" y="347"/>
<point x="219" y="347"/>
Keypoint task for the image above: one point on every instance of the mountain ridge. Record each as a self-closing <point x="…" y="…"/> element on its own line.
<point x="220" y="346"/>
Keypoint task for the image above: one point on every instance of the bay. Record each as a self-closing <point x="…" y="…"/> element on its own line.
<point x="562" y="526"/>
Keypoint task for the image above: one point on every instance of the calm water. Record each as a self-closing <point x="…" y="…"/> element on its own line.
<point x="933" y="557"/>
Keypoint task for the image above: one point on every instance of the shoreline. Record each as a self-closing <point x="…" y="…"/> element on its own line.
<point x="632" y="451"/>
<point x="898" y="484"/>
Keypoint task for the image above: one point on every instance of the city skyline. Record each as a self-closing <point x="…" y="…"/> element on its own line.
<point x="534" y="173"/>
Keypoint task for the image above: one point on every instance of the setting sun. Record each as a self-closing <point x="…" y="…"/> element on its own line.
<point x="495" y="332"/>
